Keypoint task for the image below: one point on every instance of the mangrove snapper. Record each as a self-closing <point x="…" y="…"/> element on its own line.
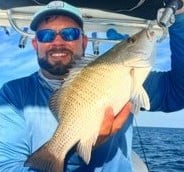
<point x="111" y="80"/>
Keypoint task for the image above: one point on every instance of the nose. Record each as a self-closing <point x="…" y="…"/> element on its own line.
<point x="58" y="40"/>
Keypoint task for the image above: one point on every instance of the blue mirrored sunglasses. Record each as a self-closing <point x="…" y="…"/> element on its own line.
<point x="67" y="34"/>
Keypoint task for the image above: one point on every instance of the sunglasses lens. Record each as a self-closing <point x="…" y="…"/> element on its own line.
<point x="67" y="34"/>
<point x="70" y="34"/>
<point x="46" y="35"/>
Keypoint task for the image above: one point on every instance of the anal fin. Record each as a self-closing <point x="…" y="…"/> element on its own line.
<point x="84" y="147"/>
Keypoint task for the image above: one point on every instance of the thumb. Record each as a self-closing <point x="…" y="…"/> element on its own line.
<point x="106" y="126"/>
<point x="121" y="118"/>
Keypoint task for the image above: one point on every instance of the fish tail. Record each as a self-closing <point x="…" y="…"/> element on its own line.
<point x="45" y="161"/>
<point x="139" y="100"/>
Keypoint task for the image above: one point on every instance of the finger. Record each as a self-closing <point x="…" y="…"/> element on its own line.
<point x="121" y="118"/>
<point x="107" y="122"/>
<point x="180" y="10"/>
<point x="106" y="126"/>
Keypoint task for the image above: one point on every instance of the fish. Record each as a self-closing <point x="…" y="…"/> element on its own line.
<point x="110" y="80"/>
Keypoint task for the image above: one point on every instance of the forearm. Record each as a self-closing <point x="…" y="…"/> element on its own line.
<point x="14" y="166"/>
<point x="177" y="49"/>
<point x="166" y="89"/>
<point x="14" y="142"/>
<point x="13" y="146"/>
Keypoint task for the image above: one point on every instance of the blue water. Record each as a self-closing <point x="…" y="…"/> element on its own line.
<point x="163" y="147"/>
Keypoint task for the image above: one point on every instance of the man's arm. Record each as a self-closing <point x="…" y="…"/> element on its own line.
<point x="14" y="142"/>
<point x="166" y="89"/>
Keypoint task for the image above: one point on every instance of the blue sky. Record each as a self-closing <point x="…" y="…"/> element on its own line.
<point x="16" y="62"/>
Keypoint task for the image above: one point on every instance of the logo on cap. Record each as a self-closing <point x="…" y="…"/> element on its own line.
<point x="56" y="4"/>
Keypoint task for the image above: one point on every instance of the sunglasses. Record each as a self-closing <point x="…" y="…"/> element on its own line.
<point x="67" y="34"/>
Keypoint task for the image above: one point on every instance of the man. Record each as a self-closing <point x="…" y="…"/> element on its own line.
<point x="26" y="122"/>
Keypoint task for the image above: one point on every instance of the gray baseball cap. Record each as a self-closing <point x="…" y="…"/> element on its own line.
<point x="56" y="8"/>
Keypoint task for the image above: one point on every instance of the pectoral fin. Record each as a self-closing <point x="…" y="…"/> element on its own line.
<point x="139" y="96"/>
<point x="140" y="99"/>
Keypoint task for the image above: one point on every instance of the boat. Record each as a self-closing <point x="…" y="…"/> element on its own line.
<point x="99" y="16"/>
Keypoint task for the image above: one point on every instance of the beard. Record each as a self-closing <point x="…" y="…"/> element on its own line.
<point x="58" y="68"/>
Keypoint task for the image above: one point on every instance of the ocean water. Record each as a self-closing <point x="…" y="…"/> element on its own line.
<point x="162" y="149"/>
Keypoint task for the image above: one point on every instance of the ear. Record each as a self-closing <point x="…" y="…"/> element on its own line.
<point x="85" y="41"/>
<point x="35" y="43"/>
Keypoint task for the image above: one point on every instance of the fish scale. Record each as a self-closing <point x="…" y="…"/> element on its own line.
<point x="111" y="80"/>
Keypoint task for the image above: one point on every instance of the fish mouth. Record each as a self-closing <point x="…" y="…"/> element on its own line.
<point x="150" y="34"/>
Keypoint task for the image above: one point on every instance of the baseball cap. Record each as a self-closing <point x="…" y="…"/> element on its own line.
<point x="56" y="8"/>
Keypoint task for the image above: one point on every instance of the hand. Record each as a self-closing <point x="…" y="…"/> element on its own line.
<point x="180" y="10"/>
<point x="111" y="124"/>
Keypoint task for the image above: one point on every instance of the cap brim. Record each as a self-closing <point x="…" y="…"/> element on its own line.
<point x="40" y="17"/>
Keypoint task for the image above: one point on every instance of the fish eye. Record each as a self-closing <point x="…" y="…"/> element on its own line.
<point x="131" y="40"/>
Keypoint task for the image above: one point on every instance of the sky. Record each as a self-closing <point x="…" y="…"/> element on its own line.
<point x="18" y="62"/>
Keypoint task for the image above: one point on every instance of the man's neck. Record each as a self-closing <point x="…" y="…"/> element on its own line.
<point x="51" y="76"/>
